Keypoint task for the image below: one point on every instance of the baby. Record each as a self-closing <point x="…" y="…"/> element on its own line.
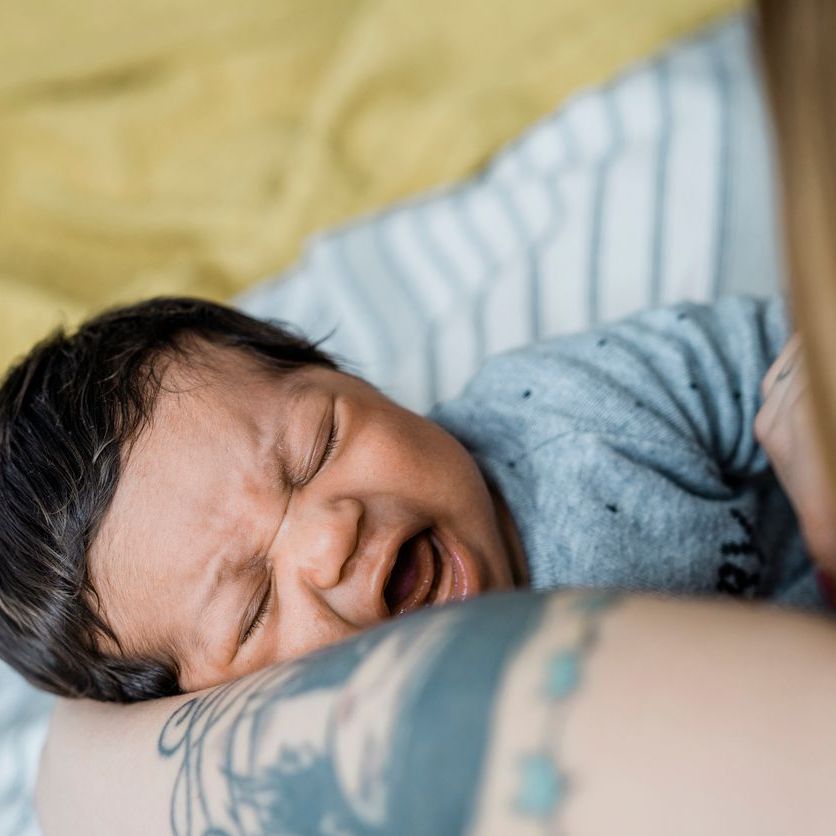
<point x="189" y="494"/>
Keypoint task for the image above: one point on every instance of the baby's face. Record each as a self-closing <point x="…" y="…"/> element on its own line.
<point x="259" y="517"/>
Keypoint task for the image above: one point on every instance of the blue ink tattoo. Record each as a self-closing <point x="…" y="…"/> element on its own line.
<point x="384" y="734"/>
<point x="388" y="733"/>
<point x="542" y="784"/>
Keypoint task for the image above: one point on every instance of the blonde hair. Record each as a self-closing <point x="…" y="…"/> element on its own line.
<point x="799" y="62"/>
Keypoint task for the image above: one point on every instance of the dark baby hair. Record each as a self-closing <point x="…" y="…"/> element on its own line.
<point x="68" y="414"/>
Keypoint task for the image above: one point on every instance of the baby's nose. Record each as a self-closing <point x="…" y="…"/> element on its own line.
<point x="323" y="568"/>
<point x="329" y="538"/>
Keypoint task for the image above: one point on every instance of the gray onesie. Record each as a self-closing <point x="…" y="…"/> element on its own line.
<point x="627" y="457"/>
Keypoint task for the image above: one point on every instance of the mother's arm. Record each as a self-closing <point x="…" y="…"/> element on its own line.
<point x="512" y="713"/>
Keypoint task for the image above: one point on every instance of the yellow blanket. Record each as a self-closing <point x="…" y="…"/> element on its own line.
<point x="189" y="146"/>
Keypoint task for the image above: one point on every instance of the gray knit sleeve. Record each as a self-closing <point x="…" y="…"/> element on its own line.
<point x="686" y="378"/>
<point x="627" y="453"/>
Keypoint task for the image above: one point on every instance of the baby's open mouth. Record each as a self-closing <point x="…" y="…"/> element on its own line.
<point x="414" y="579"/>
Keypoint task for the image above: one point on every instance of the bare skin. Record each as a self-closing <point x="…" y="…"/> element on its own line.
<point x="260" y="517"/>
<point x="573" y="713"/>
<point x="784" y="427"/>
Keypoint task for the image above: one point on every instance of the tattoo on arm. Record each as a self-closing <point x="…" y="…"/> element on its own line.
<point x="417" y="726"/>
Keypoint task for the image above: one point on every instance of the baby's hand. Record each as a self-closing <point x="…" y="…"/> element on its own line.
<point x="784" y="427"/>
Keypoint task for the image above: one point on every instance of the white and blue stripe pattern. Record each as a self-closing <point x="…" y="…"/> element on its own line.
<point x="651" y="189"/>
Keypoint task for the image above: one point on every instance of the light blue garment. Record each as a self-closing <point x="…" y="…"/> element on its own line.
<point x="627" y="456"/>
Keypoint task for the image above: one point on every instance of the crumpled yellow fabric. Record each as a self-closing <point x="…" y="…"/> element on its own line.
<point x="189" y="146"/>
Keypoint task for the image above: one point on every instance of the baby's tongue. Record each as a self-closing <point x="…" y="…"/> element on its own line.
<point x="405" y="575"/>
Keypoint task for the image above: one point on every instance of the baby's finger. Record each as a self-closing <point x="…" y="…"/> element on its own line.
<point x="784" y="409"/>
<point x="783" y="365"/>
